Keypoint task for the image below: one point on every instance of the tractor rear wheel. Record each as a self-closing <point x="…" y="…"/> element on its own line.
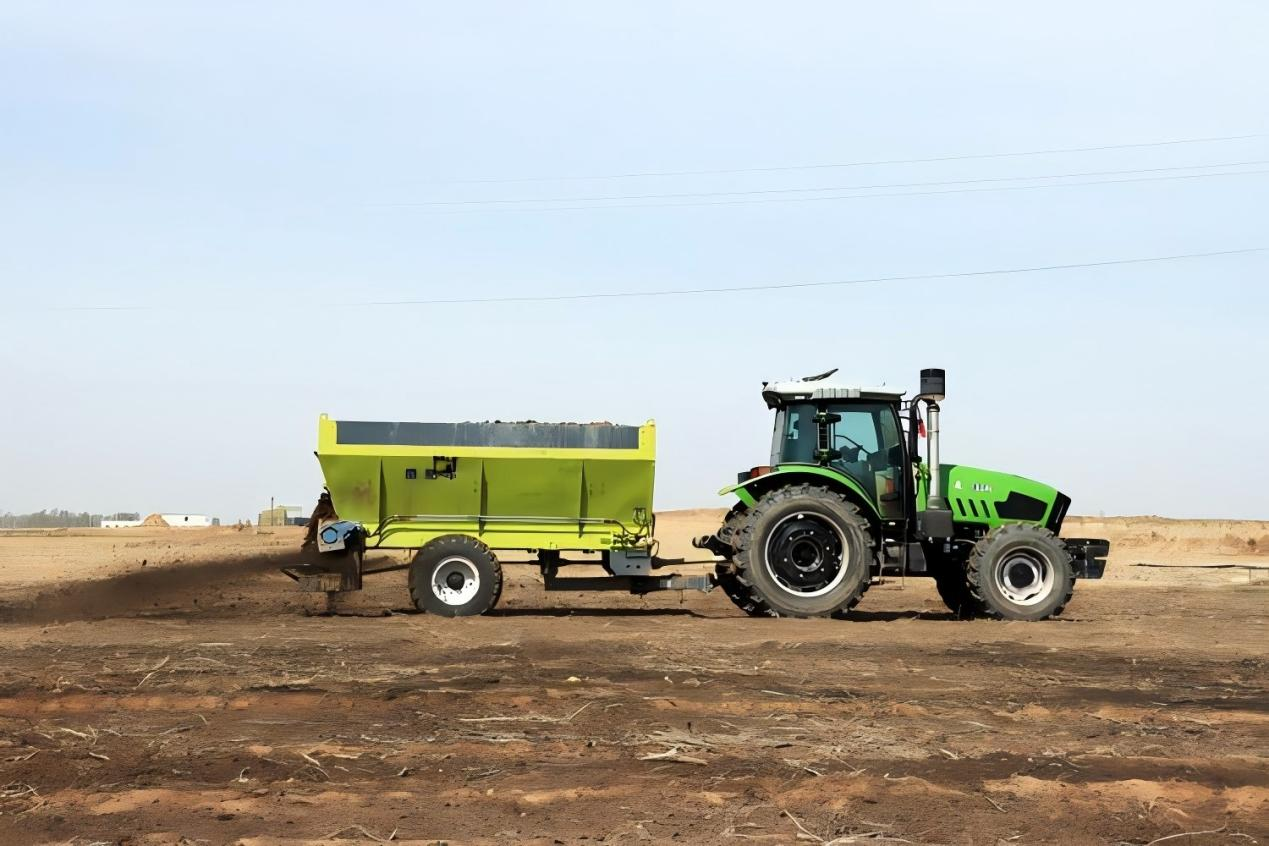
<point x="741" y="595"/>
<point x="455" y="576"/>
<point x="1020" y="572"/>
<point x="805" y="551"/>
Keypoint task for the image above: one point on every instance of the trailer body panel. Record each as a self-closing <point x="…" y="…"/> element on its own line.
<point x="533" y="486"/>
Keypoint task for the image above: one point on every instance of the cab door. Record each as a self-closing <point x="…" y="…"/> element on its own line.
<point x="870" y="444"/>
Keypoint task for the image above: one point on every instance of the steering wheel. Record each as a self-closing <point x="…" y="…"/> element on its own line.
<point x="858" y="446"/>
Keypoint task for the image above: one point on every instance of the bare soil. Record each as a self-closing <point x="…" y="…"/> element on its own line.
<point x="168" y="686"/>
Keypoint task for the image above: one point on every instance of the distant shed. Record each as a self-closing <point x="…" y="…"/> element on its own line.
<point x="282" y="515"/>
<point x="187" y="521"/>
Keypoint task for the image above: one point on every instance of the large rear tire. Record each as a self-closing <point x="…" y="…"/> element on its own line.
<point x="741" y="594"/>
<point x="804" y="551"/>
<point x="1020" y="572"/>
<point x="455" y="576"/>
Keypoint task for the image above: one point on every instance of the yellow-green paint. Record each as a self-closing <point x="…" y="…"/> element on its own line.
<point x="508" y="497"/>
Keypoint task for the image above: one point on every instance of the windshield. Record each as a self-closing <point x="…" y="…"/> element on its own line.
<point x="867" y="441"/>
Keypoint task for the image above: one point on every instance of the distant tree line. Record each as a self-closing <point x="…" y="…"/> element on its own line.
<point x="59" y="518"/>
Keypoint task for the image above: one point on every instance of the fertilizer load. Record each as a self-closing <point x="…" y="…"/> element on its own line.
<point x="845" y="498"/>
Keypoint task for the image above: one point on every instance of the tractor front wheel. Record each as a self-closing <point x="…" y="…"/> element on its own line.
<point x="804" y="551"/>
<point x="1020" y="572"/>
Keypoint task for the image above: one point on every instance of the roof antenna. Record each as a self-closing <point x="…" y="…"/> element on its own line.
<point x="820" y="377"/>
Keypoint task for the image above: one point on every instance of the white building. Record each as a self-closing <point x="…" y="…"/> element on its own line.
<point x="187" y="521"/>
<point x="120" y="524"/>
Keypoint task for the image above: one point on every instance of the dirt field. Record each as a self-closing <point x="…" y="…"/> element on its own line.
<point x="166" y="686"/>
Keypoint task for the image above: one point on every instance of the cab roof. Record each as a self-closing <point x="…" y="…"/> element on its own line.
<point x="823" y="387"/>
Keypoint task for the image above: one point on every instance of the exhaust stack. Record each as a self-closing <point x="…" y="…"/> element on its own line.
<point x="933" y="390"/>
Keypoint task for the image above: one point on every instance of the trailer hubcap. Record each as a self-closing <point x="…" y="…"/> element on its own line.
<point x="1024" y="577"/>
<point x="806" y="554"/>
<point x="455" y="581"/>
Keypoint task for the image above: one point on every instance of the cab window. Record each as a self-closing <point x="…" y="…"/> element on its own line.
<point x="867" y="437"/>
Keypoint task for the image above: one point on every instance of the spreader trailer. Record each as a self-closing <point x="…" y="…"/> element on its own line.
<point x="566" y="493"/>
<point x="844" y="498"/>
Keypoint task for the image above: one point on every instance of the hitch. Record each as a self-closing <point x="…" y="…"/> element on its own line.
<point x="714" y="544"/>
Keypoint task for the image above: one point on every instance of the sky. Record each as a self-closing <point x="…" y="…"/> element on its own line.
<point x="199" y="202"/>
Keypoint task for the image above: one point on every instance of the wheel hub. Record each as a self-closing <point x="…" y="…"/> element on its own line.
<point x="805" y="554"/>
<point x="455" y="581"/>
<point x="1024" y="577"/>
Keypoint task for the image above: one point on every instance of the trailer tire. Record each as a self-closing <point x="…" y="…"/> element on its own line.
<point x="1020" y="572"/>
<point x="455" y="576"/>
<point x="805" y="551"/>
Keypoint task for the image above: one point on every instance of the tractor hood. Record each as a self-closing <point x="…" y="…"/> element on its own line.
<point x="992" y="498"/>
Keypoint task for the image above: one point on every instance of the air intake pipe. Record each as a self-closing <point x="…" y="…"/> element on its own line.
<point x="933" y="390"/>
<point x="936" y="520"/>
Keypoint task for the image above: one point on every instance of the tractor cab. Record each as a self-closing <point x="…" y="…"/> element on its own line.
<point x="853" y="430"/>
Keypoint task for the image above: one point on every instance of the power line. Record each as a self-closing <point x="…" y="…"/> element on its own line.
<point x="767" y="191"/>
<point x="875" y="162"/>
<point x="781" y="286"/>
<point x="772" y="286"/>
<point x="765" y="200"/>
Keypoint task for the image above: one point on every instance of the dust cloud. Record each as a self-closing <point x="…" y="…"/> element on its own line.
<point x="177" y="587"/>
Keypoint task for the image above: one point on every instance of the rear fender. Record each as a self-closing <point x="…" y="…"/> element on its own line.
<point x="750" y="490"/>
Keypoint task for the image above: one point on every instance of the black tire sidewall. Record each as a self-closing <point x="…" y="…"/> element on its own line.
<point x="455" y="546"/>
<point x="857" y="552"/>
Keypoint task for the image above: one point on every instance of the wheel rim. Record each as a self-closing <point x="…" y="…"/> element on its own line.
<point x="806" y="554"/>
<point x="1024" y="577"/>
<point x="455" y="581"/>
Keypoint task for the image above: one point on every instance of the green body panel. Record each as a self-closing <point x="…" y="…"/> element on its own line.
<point x="509" y="497"/>
<point x="744" y="493"/>
<point x="976" y="496"/>
<point x="987" y="490"/>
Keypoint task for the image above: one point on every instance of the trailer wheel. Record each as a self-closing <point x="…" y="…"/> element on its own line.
<point x="455" y="576"/>
<point x="805" y="552"/>
<point x="1020" y="572"/>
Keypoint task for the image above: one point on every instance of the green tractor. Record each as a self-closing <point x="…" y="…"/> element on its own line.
<point x="847" y="497"/>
